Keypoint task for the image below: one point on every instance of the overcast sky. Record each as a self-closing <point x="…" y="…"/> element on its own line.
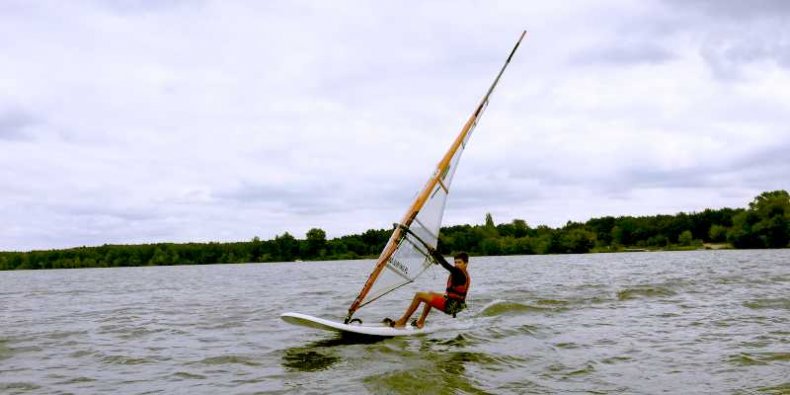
<point x="173" y="121"/>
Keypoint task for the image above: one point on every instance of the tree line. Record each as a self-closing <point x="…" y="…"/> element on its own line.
<point x="765" y="223"/>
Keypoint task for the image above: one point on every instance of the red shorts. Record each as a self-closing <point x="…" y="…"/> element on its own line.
<point x="438" y="301"/>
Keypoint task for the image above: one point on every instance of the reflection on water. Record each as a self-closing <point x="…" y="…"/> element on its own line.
<point x="683" y="322"/>
<point x="308" y="359"/>
<point x="319" y="355"/>
<point x="437" y="367"/>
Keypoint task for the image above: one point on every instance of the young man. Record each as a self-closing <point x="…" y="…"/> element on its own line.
<point x="452" y="302"/>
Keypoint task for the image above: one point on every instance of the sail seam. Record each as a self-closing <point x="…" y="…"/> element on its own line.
<point x="441" y="184"/>
<point x="425" y="228"/>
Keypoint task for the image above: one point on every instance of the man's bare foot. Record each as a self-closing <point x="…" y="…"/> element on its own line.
<point x="399" y="324"/>
<point x="418" y="324"/>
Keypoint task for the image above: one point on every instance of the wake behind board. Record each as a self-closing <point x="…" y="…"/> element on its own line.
<point x="361" y="329"/>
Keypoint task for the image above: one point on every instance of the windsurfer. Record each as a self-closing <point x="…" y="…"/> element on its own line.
<point x="451" y="302"/>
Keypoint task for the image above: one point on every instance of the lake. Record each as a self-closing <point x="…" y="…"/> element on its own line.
<point x="651" y="322"/>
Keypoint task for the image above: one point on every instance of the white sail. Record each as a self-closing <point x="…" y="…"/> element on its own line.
<point x="406" y="257"/>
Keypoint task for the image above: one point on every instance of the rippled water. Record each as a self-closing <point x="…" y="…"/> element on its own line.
<point x="682" y="322"/>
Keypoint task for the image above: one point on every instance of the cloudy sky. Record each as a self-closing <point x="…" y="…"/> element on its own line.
<point x="135" y="121"/>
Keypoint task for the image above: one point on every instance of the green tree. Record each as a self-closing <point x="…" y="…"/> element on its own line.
<point x="287" y="247"/>
<point x="542" y="242"/>
<point x="490" y="221"/>
<point x="491" y="246"/>
<point x="685" y="238"/>
<point x="773" y="209"/>
<point x="520" y="228"/>
<point x="657" y="241"/>
<point x="316" y="243"/>
<point x="256" y="249"/>
<point x="765" y="224"/>
<point x="717" y="233"/>
<point x="163" y="255"/>
<point x="374" y="240"/>
<point x="575" y="240"/>
<point x="5" y="263"/>
<point x="617" y="236"/>
<point x="603" y="228"/>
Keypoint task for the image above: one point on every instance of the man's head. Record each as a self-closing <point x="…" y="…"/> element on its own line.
<point x="461" y="258"/>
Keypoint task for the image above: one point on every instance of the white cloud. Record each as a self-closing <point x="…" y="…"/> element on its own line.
<point x="137" y="121"/>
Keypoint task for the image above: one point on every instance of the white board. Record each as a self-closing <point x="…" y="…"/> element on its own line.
<point x="378" y="329"/>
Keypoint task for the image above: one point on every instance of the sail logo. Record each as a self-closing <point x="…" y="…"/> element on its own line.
<point x="395" y="264"/>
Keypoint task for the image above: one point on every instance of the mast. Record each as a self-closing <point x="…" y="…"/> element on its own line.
<point x="430" y="185"/>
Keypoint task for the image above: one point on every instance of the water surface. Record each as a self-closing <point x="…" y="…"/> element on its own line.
<point x="677" y="322"/>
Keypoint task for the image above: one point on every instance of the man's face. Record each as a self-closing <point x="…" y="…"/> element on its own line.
<point x="459" y="262"/>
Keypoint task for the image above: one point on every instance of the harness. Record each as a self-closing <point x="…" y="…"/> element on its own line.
<point x="455" y="295"/>
<point x="458" y="291"/>
<point x="453" y="306"/>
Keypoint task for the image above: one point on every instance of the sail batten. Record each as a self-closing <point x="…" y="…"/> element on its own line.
<point x="406" y="253"/>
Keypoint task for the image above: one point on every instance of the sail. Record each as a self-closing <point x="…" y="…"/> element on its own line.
<point x="405" y="256"/>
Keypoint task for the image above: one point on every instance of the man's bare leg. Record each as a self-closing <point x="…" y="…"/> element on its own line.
<point x="419" y="297"/>
<point x="423" y="316"/>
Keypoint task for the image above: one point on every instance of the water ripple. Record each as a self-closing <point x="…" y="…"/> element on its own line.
<point x="644" y="291"/>
<point x="230" y="359"/>
<point x="680" y="322"/>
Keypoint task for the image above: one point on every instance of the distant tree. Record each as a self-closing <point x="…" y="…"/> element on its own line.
<point x="316" y="243"/>
<point x="685" y="238"/>
<point x="741" y="234"/>
<point x="336" y="249"/>
<point x="287" y="247"/>
<point x="627" y="229"/>
<point x="773" y="208"/>
<point x="256" y="249"/>
<point x="162" y="256"/>
<point x="487" y="231"/>
<point x="491" y="246"/>
<point x="603" y="228"/>
<point x="575" y="240"/>
<point x="657" y="241"/>
<point x="766" y="223"/>
<point x="458" y="238"/>
<point x="617" y="236"/>
<point x="374" y="240"/>
<point x="490" y="221"/>
<point x="717" y="233"/>
<point x="355" y="247"/>
<point x="543" y="241"/>
<point x="520" y="228"/>
<point x="524" y="246"/>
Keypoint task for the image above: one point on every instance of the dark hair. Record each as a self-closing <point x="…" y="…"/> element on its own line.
<point x="462" y="256"/>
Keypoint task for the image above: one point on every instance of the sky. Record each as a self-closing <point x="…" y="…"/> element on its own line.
<point x="135" y="121"/>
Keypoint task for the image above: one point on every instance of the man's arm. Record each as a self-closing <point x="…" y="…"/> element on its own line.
<point x="440" y="260"/>
<point x="458" y="276"/>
